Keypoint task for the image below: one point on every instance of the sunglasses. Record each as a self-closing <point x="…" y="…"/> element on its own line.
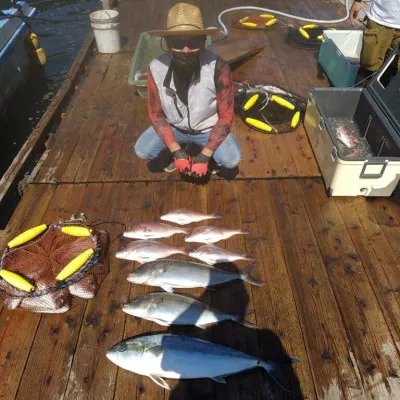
<point x="180" y="44"/>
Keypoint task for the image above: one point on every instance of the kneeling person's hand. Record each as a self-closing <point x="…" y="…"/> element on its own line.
<point x="200" y="165"/>
<point x="181" y="161"/>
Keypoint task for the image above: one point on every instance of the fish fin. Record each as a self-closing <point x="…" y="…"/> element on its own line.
<point x="248" y="257"/>
<point x="161" y="322"/>
<point x="156" y="351"/>
<point x="273" y="371"/>
<point x="245" y="275"/>
<point x="167" y="289"/>
<point x="201" y="326"/>
<point x="217" y="214"/>
<point x="160" y="381"/>
<point x="240" y="319"/>
<point x="245" y="230"/>
<point x="219" y="379"/>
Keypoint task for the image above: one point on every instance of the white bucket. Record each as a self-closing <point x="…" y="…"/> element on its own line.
<point x="105" y="24"/>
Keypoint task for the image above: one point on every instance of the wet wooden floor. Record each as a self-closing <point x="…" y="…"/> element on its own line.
<point x="330" y="265"/>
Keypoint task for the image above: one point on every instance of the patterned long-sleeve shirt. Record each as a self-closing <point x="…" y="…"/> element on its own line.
<point x="225" y="108"/>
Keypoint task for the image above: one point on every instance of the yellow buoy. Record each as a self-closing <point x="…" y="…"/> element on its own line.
<point x="295" y="119"/>
<point x="249" y="24"/>
<point x="250" y="102"/>
<point x="74" y="265"/>
<point x="16" y="280"/>
<point x="259" y="124"/>
<point x="77" y="230"/>
<point x="319" y="37"/>
<point x="41" y="55"/>
<point x="34" y="40"/>
<point x="310" y="26"/>
<point x="267" y="16"/>
<point x="304" y="33"/>
<point x="27" y="236"/>
<point x="244" y="19"/>
<point x="271" y="22"/>
<point x="282" y="102"/>
<point x="331" y="29"/>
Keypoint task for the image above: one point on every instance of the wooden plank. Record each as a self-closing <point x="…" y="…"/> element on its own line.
<point x="136" y="205"/>
<point x="233" y="51"/>
<point x="387" y="217"/>
<point x="35" y="142"/>
<point x="52" y="352"/>
<point x="92" y="375"/>
<point x="18" y="327"/>
<point x="81" y="109"/>
<point x="278" y="322"/>
<point x="377" y="257"/>
<point x="360" y="310"/>
<point x="110" y="110"/>
<point x="236" y="298"/>
<point x="328" y="347"/>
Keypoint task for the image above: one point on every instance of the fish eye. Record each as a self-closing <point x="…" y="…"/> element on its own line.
<point x="122" y="347"/>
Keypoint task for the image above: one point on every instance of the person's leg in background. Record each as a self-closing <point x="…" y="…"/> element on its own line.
<point x="377" y="40"/>
<point x="395" y="42"/>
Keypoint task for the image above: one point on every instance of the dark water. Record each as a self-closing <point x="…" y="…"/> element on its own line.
<point x="61" y="41"/>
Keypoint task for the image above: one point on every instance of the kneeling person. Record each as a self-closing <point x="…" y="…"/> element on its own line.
<point x="190" y="98"/>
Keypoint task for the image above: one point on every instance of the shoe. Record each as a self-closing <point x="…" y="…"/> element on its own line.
<point x="170" y="168"/>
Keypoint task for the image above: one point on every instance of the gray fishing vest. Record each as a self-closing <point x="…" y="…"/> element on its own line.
<point x="200" y="115"/>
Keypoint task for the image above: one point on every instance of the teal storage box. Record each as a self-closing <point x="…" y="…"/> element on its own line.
<point x="339" y="56"/>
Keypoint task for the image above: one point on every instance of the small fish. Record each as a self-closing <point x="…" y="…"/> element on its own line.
<point x="212" y="234"/>
<point x="153" y="230"/>
<point x="182" y="357"/>
<point x="211" y="254"/>
<point x="147" y="250"/>
<point x="169" y="274"/>
<point x="178" y="309"/>
<point x="349" y="139"/>
<point x="184" y="217"/>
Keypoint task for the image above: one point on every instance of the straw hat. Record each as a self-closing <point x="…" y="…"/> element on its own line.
<point x="184" y="19"/>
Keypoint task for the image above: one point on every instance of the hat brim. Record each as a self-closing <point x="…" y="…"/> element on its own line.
<point x="196" y="32"/>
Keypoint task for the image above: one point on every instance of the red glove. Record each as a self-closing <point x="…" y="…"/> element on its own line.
<point x="181" y="161"/>
<point x="200" y="165"/>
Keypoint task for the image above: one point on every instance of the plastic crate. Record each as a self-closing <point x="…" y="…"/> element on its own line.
<point x="147" y="49"/>
<point x="339" y="55"/>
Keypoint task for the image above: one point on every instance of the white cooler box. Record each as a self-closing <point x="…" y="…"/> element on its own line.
<point x="374" y="112"/>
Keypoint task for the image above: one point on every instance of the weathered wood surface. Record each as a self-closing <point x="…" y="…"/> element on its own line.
<point x="326" y="298"/>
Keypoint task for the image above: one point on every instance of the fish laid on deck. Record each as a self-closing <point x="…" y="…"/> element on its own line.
<point x="153" y="230"/>
<point x="184" y="216"/>
<point x="183" y="357"/>
<point x="212" y="254"/>
<point x="169" y="274"/>
<point x="212" y="234"/>
<point x="178" y="309"/>
<point x="147" y="250"/>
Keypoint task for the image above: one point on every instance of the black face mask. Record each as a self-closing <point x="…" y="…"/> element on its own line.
<point x="187" y="61"/>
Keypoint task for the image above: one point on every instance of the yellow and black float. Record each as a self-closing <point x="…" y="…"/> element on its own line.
<point x="42" y="267"/>
<point x="307" y="37"/>
<point x="268" y="108"/>
<point x="256" y="21"/>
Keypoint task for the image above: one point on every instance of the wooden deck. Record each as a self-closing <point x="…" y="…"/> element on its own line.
<point x="330" y="265"/>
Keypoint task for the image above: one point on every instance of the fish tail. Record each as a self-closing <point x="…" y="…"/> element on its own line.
<point x="185" y="230"/>
<point x="217" y="214"/>
<point x="248" y="257"/>
<point x="273" y="370"/>
<point x="244" y="230"/>
<point x="245" y="275"/>
<point x="240" y="319"/>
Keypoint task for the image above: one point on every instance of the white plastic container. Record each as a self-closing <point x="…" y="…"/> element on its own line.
<point x="105" y="24"/>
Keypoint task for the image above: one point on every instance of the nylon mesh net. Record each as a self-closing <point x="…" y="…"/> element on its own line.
<point x="40" y="260"/>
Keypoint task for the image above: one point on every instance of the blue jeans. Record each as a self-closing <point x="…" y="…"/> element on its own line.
<point x="149" y="145"/>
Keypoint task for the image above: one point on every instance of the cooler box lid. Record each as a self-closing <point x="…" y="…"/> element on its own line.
<point x="385" y="88"/>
